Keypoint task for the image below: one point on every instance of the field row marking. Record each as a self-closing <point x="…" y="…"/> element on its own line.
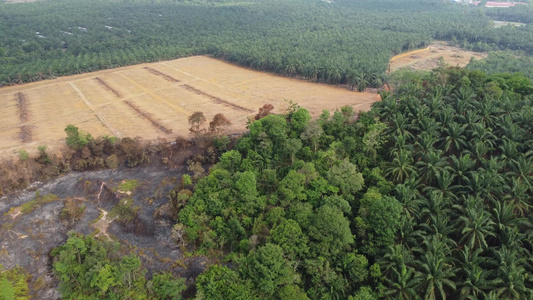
<point x="178" y="108"/>
<point x="245" y="95"/>
<point x="100" y="117"/>
<point x="43" y="86"/>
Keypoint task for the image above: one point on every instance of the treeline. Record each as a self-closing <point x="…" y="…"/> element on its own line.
<point x="91" y="268"/>
<point x="504" y="62"/>
<point x="518" y="13"/>
<point x="347" y="42"/>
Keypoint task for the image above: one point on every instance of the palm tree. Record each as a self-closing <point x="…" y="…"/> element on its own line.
<point x="444" y="185"/>
<point x="409" y="198"/>
<point x="436" y="268"/>
<point x="435" y="205"/>
<point x="424" y="144"/>
<point x="460" y="167"/>
<point x="431" y="164"/>
<point x="476" y="227"/>
<point x="474" y="279"/>
<point x="511" y="276"/>
<point x="401" y="167"/>
<point x="453" y="139"/>
<point x="503" y="215"/>
<point x="517" y="195"/>
<point x="403" y="284"/>
<point x="522" y="169"/>
<point x="400" y="126"/>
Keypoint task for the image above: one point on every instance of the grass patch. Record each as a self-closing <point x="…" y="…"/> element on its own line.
<point x="124" y="211"/>
<point x="72" y="211"/>
<point x="37" y="202"/>
<point x="128" y="185"/>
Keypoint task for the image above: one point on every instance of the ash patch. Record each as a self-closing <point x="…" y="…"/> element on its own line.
<point x="27" y="239"/>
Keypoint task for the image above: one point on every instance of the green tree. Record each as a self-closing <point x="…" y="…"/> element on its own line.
<point x="268" y="269"/>
<point x="76" y="138"/>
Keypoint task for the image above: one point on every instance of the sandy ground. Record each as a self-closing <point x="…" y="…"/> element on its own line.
<point x="150" y="100"/>
<point x="428" y="59"/>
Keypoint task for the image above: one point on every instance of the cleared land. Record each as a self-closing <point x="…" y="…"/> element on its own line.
<point x="428" y="59"/>
<point x="498" y="24"/>
<point x="153" y="100"/>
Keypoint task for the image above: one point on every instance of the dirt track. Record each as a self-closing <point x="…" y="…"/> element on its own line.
<point x="164" y="94"/>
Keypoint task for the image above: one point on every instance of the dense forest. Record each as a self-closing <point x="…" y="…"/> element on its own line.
<point x="341" y="42"/>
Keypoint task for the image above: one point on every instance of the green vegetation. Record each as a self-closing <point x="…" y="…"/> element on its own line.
<point x="37" y="202"/>
<point x="14" y="284"/>
<point x="427" y="196"/>
<point x="76" y="139"/>
<point x="23" y="155"/>
<point x="348" y="42"/>
<point x="504" y="62"/>
<point x="125" y="211"/>
<point x="128" y="185"/>
<point x="89" y="268"/>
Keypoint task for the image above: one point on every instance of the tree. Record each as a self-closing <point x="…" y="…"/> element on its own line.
<point x="268" y="269"/>
<point x="165" y="286"/>
<point x="219" y="282"/>
<point x="76" y="138"/>
<point x="219" y="124"/>
<point x="196" y="120"/>
<point x="312" y="133"/>
<point x="293" y="146"/>
<point x="264" y="111"/>
<point x="330" y="232"/>
<point x="344" y="175"/>
<point x="289" y="236"/>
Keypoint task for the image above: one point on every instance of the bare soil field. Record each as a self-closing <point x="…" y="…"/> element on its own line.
<point x="428" y="59"/>
<point x="153" y="100"/>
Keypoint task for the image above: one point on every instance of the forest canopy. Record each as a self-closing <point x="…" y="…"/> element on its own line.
<point x="342" y="42"/>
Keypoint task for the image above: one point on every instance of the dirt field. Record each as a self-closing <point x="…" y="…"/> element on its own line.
<point x="428" y="59"/>
<point x="153" y="100"/>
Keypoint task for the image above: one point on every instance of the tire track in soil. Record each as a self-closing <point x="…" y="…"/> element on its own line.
<point x="216" y="99"/>
<point x="26" y="131"/>
<point x="98" y="115"/>
<point x="161" y="74"/>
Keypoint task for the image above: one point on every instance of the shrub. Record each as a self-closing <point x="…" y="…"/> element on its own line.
<point x="23" y="155"/>
<point x="112" y="161"/>
<point x="76" y="138"/>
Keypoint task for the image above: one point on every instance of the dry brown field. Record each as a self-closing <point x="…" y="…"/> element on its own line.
<point x="428" y="59"/>
<point x="153" y="100"/>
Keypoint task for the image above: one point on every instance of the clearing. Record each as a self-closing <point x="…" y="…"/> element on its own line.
<point x="154" y="100"/>
<point x="498" y="24"/>
<point x="428" y="58"/>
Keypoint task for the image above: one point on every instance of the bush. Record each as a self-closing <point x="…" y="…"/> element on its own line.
<point x="23" y="155"/>
<point x="112" y="161"/>
<point x="76" y="138"/>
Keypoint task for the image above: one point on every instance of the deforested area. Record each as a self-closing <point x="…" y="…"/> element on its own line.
<point x="267" y="149"/>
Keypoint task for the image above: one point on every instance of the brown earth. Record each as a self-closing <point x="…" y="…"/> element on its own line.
<point x="153" y="100"/>
<point x="428" y="59"/>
